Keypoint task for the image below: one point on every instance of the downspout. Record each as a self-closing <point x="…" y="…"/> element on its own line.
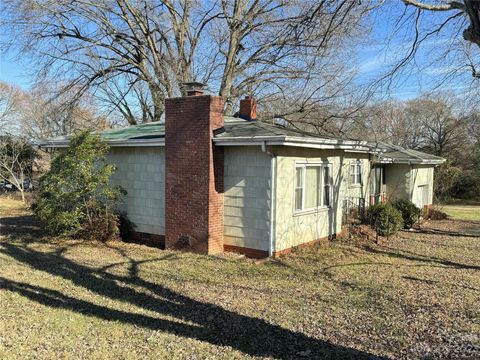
<point x="273" y="181"/>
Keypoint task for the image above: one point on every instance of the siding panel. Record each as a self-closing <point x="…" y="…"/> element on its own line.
<point x="141" y="172"/>
<point x="247" y="197"/>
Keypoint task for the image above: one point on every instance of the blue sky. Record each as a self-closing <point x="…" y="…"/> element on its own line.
<point x="383" y="47"/>
<point x="15" y="71"/>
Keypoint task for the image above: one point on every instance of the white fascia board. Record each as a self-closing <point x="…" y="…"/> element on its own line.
<point x="320" y="146"/>
<point x="53" y="145"/>
<point x="410" y="162"/>
<point x="111" y="143"/>
<point x="137" y="142"/>
<point x="296" y="139"/>
<point x="254" y="140"/>
<point x="354" y="146"/>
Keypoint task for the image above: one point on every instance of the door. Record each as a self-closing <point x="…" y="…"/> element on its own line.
<point x="377" y="184"/>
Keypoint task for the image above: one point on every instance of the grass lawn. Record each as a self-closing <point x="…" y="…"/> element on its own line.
<point x="463" y="212"/>
<point x="417" y="296"/>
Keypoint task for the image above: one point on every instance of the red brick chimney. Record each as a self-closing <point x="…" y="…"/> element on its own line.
<point x="193" y="173"/>
<point x="248" y="108"/>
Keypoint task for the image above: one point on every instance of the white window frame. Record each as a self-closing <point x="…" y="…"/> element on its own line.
<point x="304" y="166"/>
<point x="358" y="170"/>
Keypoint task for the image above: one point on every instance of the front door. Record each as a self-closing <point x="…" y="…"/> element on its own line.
<point x="377" y="184"/>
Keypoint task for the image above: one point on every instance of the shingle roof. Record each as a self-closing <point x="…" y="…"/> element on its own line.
<point x="238" y="131"/>
<point x="155" y="129"/>
<point x="239" y="128"/>
<point x="399" y="154"/>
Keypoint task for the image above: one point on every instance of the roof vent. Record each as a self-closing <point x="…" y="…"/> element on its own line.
<point x="193" y="88"/>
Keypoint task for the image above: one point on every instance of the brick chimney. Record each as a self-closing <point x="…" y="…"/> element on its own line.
<point x="193" y="173"/>
<point x="248" y="108"/>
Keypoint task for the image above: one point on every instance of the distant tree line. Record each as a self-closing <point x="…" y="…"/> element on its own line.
<point x="438" y="125"/>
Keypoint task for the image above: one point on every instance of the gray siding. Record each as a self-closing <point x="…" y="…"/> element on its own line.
<point x="247" y="197"/>
<point x="141" y="172"/>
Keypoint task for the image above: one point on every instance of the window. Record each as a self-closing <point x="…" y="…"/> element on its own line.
<point x="377" y="180"/>
<point x="298" y="188"/>
<point x="356" y="173"/>
<point x="327" y="186"/>
<point x="313" y="186"/>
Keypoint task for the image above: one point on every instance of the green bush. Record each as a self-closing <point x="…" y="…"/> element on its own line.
<point x="385" y="219"/>
<point x="410" y="213"/>
<point x="75" y="196"/>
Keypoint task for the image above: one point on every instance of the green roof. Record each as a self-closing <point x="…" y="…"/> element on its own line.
<point x="143" y="131"/>
<point x="243" y="132"/>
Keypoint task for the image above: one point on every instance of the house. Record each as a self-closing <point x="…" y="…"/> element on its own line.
<point x="214" y="183"/>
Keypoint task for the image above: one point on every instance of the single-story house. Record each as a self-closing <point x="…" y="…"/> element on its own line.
<point x="214" y="183"/>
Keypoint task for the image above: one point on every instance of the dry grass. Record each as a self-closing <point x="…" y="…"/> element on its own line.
<point x="463" y="212"/>
<point x="416" y="296"/>
<point x="11" y="206"/>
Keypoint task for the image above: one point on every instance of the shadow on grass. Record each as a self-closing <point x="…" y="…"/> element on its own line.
<point x="409" y="255"/>
<point x="22" y="227"/>
<point x="435" y="282"/>
<point x="206" y="322"/>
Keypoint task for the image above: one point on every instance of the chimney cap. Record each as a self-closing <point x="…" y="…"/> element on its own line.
<point x="193" y="85"/>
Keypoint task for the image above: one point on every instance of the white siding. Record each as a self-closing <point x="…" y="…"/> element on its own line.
<point x="292" y="229"/>
<point x="421" y="176"/>
<point x="141" y="172"/>
<point x="247" y="197"/>
<point x="403" y="182"/>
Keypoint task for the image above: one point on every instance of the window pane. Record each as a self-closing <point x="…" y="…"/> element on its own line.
<point x="326" y="186"/>
<point x="326" y="175"/>
<point x="298" y="177"/>
<point x="312" y="187"/>
<point x="298" y="199"/>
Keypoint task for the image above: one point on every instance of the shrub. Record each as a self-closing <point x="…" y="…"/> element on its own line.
<point x="410" y="213"/>
<point x="76" y="198"/>
<point x="436" y="214"/>
<point x="385" y="219"/>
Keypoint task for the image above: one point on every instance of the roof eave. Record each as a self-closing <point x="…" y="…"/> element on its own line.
<point x="293" y="141"/>
<point x="111" y="143"/>
<point x="410" y="162"/>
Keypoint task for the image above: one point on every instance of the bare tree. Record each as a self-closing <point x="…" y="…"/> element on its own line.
<point x="426" y="123"/>
<point x="134" y="54"/>
<point x="390" y="121"/>
<point x="16" y="159"/>
<point x="45" y="113"/>
<point x="10" y="97"/>
<point x="441" y="130"/>
<point x="447" y="33"/>
<point x="468" y="8"/>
